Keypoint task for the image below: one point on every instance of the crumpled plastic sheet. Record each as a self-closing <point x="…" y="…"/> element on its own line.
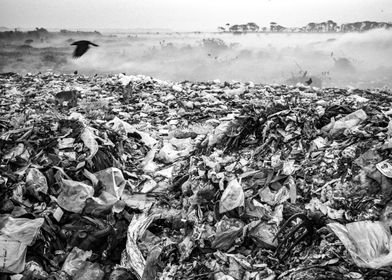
<point x="36" y="180"/>
<point x="89" y="271"/>
<point x="77" y="266"/>
<point x="120" y="125"/>
<point x="88" y="138"/>
<point x="169" y="153"/>
<point x="131" y="257"/>
<point x="75" y="260"/>
<point x="369" y="243"/>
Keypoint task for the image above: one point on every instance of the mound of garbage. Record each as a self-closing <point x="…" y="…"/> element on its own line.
<point x="131" y="177"/>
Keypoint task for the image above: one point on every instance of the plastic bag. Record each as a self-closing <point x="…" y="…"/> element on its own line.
<point x="36" y="181"/>
<point x="369" y="243"/>
<point x="75" y="260"/>
<point x="113" y="183"/>
<point x="346" y="122"/>
<point x="13" y="255"/>
<point x="88" y="138"/>
<point x="232" y="197"/>
<point x="77" y="266"/>
<point x="263" y="234"/>
<point x="74" y="195"/>
<point x="15" y="235"/>
<point x="219" y="133"/>
<point x="112" y="180"/>
<point x="90" y="271"/>
<point x="170" y="153"/>
<point x="273" y="198"/>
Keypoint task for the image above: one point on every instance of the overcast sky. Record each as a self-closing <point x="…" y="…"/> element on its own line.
<point x="185" y="14"/>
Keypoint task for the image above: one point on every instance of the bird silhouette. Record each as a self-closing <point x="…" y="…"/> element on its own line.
<point x="81" y="47"/>
<point x="308" y="82"/>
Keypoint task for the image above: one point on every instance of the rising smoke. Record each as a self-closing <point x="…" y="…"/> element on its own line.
<point x="336" y="59"/>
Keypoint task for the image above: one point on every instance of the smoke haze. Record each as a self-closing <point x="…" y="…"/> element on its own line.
<point x="337" y="59"/>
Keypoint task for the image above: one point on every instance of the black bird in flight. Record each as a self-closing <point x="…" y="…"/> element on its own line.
<point x="81" y="47"/>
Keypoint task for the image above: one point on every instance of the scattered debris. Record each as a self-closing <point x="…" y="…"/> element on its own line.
<point x="149" y="179"/>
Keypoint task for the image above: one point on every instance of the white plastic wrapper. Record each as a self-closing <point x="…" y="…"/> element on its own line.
<point x="369" y="243"/>
<point x="385" y="168"/>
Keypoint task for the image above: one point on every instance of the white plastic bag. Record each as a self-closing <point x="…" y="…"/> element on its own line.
<point x="369" y="243"/>
<point x="15" y="235"/>
<point x="232" y="197"/>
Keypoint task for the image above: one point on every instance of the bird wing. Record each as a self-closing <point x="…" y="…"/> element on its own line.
<point x="80" y="50"/>
<point x="95" y="45"/>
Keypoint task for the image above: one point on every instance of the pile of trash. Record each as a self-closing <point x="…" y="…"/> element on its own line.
<point x="131" y="177"/>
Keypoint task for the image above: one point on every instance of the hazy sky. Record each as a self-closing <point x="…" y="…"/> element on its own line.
<point x="185" y="14"/>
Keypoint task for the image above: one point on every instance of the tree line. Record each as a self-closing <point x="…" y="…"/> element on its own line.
<point x="325" y="26"/>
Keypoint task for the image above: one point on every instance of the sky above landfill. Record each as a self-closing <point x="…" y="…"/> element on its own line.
<point x="184" y="15"/>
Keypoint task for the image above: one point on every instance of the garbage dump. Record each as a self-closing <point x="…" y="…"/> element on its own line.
<point x="131" y="177"/>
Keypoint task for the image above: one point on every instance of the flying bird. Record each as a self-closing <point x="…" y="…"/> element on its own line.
<point x="81" y="47"/>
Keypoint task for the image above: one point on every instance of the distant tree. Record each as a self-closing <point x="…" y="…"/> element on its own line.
<point x="321" y="27"/>
<point x="279" y="28"/>
<point x="311" y="27"/>
<point x="244" y="28"/>
<point x="221" y="29"/>
<point x="251" y="26"/>
<point x="236" y="28"/>
<point x="273" y="26"/>
<point x="41" y="30"/>
<point x="332" y="25"/>
<point x="276" y="27"/>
